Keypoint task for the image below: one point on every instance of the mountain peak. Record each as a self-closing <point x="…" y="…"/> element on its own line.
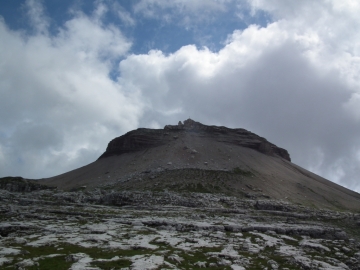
<point x="142" y="138"/>
<point x="191" y="156"/>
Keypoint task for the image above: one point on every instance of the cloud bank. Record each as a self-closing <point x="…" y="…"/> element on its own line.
<point x="58" y="105"/>
<point x="294" y="81"/>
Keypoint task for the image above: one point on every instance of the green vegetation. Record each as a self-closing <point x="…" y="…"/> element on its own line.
<point x="192" y="180"/>
<point x="52" y="263"/>
<point x="189" y="258"/>
<point x="105" y="258"/>
<point x="77" y="189"/>
<point x="201" y="255"/>
<point x="59" y="262"/>
<point x="109" y="265"/>
<point x="268" y="253"/>
<point x="241" y="172"/>
<point x="197" y="187"/>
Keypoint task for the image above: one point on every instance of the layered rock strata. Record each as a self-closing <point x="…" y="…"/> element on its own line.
<point x="144" y="138"/>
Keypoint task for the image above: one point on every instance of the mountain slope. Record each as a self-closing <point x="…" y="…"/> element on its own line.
<point x="201" y="158"/>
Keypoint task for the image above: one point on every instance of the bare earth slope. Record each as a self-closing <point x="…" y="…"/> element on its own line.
<point x="200" y="158"/>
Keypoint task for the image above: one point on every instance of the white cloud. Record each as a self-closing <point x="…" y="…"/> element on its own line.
<point x="330" y="27"/>
<point x="91" y="40"/>
<point x="295" y="82"/>
<point x="59" y="106"/>
<point x="124" y="15"/>
<point x="266" y="80"/>
<point x="36" y="16"/>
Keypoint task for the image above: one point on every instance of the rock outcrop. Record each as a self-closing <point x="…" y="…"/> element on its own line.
<point x="144" y="138"/>
<point x="19" y="184"/>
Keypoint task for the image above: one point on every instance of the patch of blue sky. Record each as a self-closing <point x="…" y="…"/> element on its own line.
<point x="152" y="33"/>
<point x="13" y="14"/>
<point x="147" y="33"/>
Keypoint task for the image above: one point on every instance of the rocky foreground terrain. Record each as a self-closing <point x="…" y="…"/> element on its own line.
<point x="184" y="197"/>
<point x="99" y="229"/>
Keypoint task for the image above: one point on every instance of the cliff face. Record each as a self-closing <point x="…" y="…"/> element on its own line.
<point x="143" y="138"/>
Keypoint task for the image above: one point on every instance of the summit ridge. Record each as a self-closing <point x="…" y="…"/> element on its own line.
<point x="144" y="138"/>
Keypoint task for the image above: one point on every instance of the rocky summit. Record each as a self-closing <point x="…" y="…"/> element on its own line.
<point x="142" y="139"/>
<point x="188" y="196"/>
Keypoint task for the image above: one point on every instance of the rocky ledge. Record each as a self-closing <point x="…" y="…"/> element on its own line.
<point x="143" y="138"/>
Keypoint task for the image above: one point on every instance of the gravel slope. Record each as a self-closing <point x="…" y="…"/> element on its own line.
<point x="255" y="175"/>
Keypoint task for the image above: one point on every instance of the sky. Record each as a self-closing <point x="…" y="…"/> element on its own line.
<point x="75" y="74"/>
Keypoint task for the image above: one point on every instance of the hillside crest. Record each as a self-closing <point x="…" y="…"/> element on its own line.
<point x="143" y="138"/>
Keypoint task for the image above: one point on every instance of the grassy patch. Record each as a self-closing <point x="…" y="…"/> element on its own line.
<point x="63" y="250"/>
<point x="54" y="263"/>
<point x="241" y="172"/>
<point x="348" y="226"/>
<point x="190" y="258"/>
<point x="191" y="187"/>
<point x="292" y="242"/>
<point x="269" y="253"/>
<point x="108" y="265"/>
<point x="77" y="189"/>
<point x="200" y="255"/>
